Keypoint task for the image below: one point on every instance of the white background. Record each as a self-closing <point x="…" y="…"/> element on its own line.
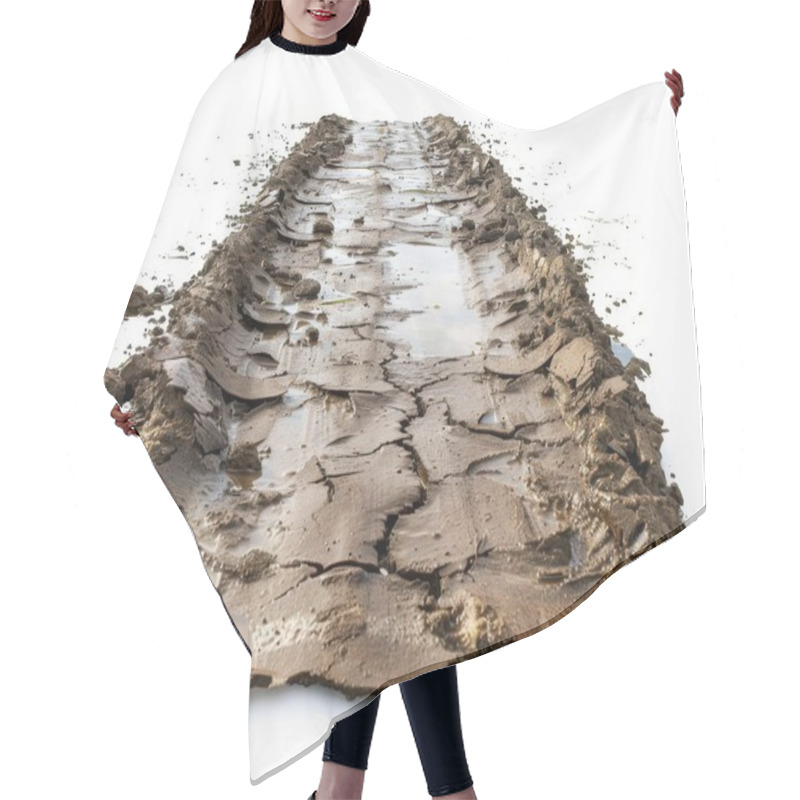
<point x="121" y="674"/>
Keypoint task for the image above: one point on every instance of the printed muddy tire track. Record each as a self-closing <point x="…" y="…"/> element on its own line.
<point x="377" y="483"/>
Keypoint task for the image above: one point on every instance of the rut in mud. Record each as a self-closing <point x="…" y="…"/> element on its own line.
<point x="391" y="415"/>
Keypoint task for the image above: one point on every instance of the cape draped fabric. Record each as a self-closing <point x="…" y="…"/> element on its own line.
<point x="418" y="381"/>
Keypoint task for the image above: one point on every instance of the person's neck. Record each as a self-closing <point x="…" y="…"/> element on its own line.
<point x="320" y="47"/>
<point x="294" y="34"/>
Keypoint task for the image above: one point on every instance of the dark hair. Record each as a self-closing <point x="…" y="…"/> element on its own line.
<point x="266" y="18"/>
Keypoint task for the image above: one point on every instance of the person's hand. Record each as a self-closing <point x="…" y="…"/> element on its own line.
<point x="122" y="419"/>
<point x="675" y="82"/>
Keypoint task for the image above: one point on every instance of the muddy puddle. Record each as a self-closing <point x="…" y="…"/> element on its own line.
<point x="390" y="414"/>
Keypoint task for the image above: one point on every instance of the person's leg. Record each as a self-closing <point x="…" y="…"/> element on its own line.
<point x="345" y="755"/>
<point x="433" y="710"/>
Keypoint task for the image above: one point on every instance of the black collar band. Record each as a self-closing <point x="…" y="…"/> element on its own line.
<point x="309" y="49"/>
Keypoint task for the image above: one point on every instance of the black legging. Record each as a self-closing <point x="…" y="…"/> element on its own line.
<point x="432" y="706"/>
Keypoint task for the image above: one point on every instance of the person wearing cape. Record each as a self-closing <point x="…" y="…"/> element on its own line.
<point x="418" y="381"/>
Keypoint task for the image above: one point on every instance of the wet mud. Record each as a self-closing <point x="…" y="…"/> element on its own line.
<point x="391" y="416"/>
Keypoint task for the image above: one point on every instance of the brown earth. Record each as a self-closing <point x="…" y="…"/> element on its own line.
<point x="367" y="512"/>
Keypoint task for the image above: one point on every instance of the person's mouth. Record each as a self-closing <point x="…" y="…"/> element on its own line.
<point x="321" y="15"/>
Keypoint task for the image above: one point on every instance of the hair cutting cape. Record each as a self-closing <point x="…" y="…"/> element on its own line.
<point x="418" y="381"/>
